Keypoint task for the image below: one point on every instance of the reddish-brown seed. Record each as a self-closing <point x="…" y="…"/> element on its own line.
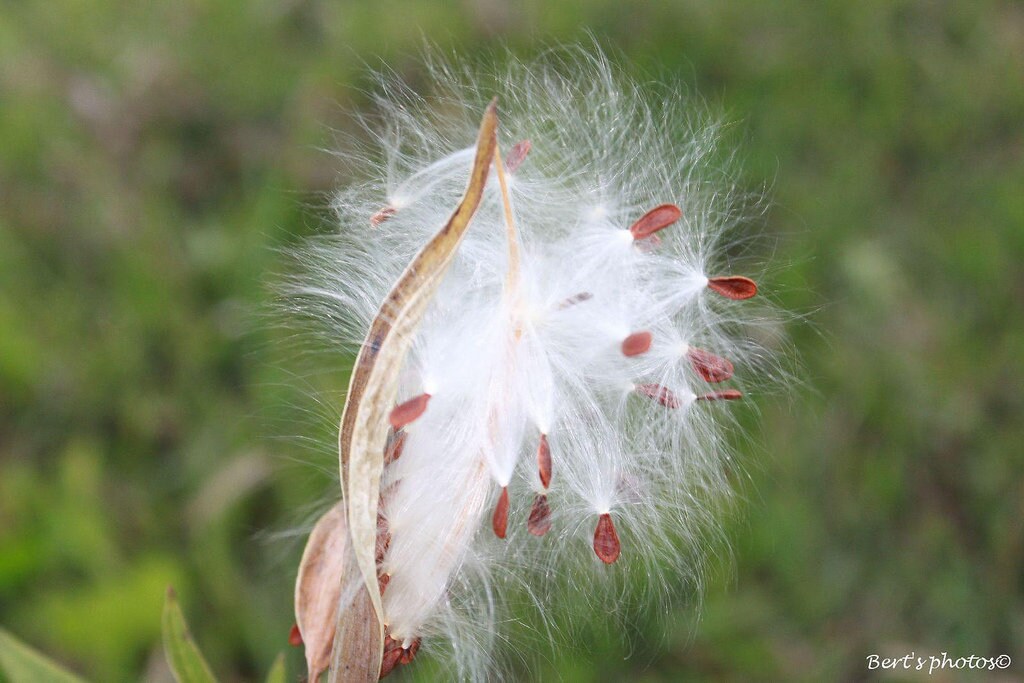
<point x="539" y="522"/>
<point x="725" y="395"/>
<point x="709" y="366"/>
<point x="383" y="534"/>
<point x="517" y="155"/>
<point x="383" y="542"/>
<point x="393" y="654"/>
<point x="408" y="411"/>
<point x="295" y="636"/>
<point x="606" y="540"/>
<point x="637" y="343"/>
<point x="500" y="519"/>
<point x="662" y="395"/>
<point x="654" y="220"/>
<point x="382" y="582"/>
<point x="734" y="287"/>
<point x="396" y="443"/>
<point x="410" y="652"/>
<point x="382" y="215"/>
<point x="544" y="461"/>
<point x="575" y="299"/>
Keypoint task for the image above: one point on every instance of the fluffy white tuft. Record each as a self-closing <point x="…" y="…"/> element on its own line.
<point x="547" y="346"/>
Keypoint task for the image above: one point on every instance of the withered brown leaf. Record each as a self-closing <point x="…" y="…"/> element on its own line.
<point x="317" y="588"/>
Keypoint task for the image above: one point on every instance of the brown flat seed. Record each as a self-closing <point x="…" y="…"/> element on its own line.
<point x="410" y="652"/>
<point x="393" y="654"/>
<point x="383" y="541"/>
<point x="726" y="395"/>
<point x="544" y="461"/>
<point x="408" y="411"/>
<point x="575" y="299"/>
<point x="500" y="519"/>
<point x="382" y="215"/>
<point x="396" y="443"/>
<point x="734" y="287"/>
<point x="295" y="636"/>
<point x="709" y="366"/>
<point x="637" y="343"/>
<point x="606" y="540"/>
<point x="539" y="522"/>
<point x="662" y="395"/>
<point x="382" y="582"/>
<point x="654" y="220"/>
<point x="517" y="155"/>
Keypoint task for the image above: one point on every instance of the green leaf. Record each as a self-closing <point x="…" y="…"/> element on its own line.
<point x="186" y="661"/>
<point x="277" y="671"/>
<point x="19" y="663"/>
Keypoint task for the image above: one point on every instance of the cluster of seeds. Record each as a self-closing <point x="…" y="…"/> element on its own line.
<point x="557" y="375"/>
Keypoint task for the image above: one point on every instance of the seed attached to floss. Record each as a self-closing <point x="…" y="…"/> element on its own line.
<point x="606" y="540"/>
<point x="410" y="652"/>
<point x="656" y="219"/>
<point x="517" y="155"/>
<point x="395" y="654"/>
<point x="709" y="366"/>
<point x="575" y="299"/>
<point x="637" y="343"/>
<point x="735" y="287"/>
<point x="408" y="411"/>
<point x="500" y="519"/>
<point x="656" y="392"/>
<point x="295" y="636"/>
<point x="545" y="342"/>
<point x="539" y="522"/>
<point x="383" y="538"/>
<point x="396" y="442"/>
<point x="544" y="461"/>
<point x="725" y="395"/>
<point x="382" y="215"/>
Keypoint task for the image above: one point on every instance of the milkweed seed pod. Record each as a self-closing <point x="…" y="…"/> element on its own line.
<point x="535" y="272"/>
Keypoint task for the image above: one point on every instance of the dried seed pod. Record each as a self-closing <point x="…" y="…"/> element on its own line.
<point x="506" y="351"/>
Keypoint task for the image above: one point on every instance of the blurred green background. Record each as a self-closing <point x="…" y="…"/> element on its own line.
<point x="154" y="156"/>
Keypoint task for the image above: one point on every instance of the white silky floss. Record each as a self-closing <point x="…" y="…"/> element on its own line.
<point x="557" y="393"/>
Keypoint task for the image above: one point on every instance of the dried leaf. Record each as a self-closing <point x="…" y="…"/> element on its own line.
<point x="359" y="643"/>
<point x="318" y="590"/>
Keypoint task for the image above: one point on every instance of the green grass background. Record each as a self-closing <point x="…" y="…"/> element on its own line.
<point x="153" y="156"/>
